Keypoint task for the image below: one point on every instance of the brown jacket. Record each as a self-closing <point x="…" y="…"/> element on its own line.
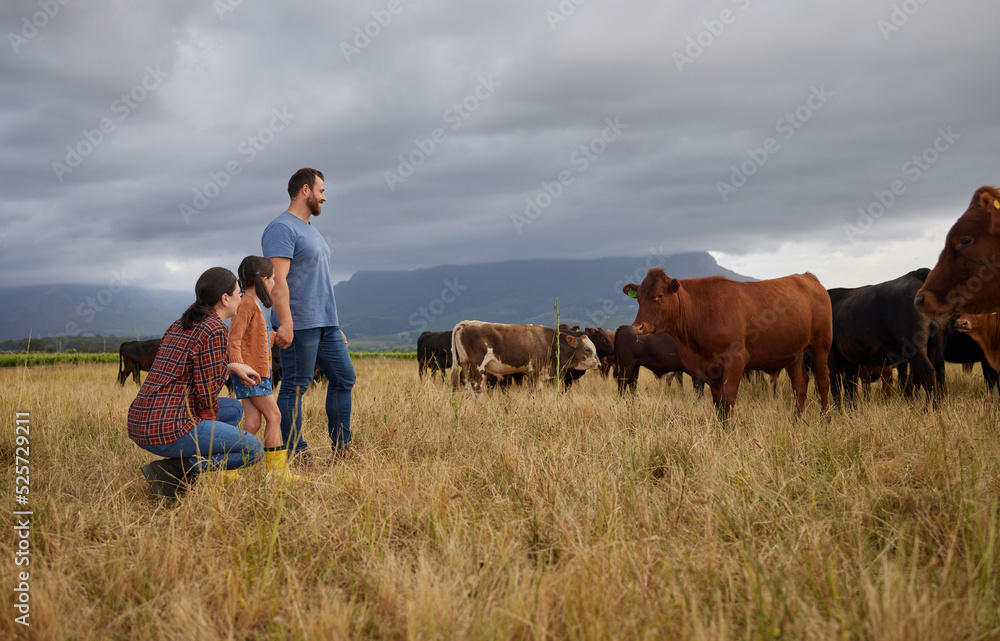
<point x="248" y="338"/>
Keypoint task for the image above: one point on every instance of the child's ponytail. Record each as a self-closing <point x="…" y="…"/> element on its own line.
<point x="253" y="270"/>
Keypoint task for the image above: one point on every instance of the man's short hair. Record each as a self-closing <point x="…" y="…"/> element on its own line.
<point x="304" y="176"/>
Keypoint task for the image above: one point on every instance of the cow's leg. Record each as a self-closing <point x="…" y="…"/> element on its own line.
<point x="627" y="379"/>
<point x="836" y="385"/>
<point x="850" y="382"/>
<point x="474" y="381"/>
<point x="730" y="387"/>
<point x="925" y="377"/>
<point x="717" y="400"/>
<point x="822" y="372"/>
<point x="800" y="383"/>
<point x="990" y="375"/>
<point x="885" y="376"/>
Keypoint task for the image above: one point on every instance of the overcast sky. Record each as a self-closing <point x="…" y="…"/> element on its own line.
<point x="146" y="142"/>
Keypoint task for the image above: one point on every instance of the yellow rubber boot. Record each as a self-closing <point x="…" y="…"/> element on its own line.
<point x="277" y="467"/>
<point x="230" y="476"/>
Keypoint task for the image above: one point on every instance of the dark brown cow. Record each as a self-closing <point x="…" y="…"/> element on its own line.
<point x="965" y="276"/>
<point x="433" y="353"/>
<point x="479" y="348"/>
<point x="724" y="327"/>
<point x="985" y="330"/>
<point x="656" y="352"/>
<point x="134" y="356"/>
<point x="608" y="363"/>
<point x="604" y="343"/>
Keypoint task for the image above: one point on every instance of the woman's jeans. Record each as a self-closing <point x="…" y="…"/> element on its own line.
<point x="215" y="444"/>
<point x="321" y="347"/>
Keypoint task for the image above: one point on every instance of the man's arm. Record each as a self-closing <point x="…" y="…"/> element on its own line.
<point x="279" y="301"/>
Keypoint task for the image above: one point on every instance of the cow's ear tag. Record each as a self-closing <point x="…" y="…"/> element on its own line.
<point x="996" y="203"/>
<point x="633" y="294"/>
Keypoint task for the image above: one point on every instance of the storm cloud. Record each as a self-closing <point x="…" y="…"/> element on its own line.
<point x="158" y="138"/>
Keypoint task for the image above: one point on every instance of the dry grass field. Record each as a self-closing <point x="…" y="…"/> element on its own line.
<point x="529" y="515"/>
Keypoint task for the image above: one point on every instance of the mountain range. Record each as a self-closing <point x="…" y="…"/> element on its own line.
<point x="380" y="309"/>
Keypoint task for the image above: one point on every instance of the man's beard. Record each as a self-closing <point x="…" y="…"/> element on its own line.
<point x="312" y="202"/>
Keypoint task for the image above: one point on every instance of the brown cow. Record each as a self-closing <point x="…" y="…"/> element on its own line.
<point x="479" y="348"/>
<point x="985" y="330"/>
<point x="965" y="277"/>
<point x="724" y="327"/>
<point x="135" y="356"/>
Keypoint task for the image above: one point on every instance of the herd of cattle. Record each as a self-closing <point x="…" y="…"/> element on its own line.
<point x="715" y="329"/>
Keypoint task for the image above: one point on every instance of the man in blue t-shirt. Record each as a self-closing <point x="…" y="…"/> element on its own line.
<point x="304" y="315"/>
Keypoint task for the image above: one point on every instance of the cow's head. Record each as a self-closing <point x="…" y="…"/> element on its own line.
<point x="967" y="275"/>
<point x="981" y="327"/>
<point x="658" y="304"/>
<point x="601" y="341"/>
<point x="577" y="352"/>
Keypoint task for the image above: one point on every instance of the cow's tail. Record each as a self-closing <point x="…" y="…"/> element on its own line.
<point x="121" y="367"/>
<point x="456" y="355"/>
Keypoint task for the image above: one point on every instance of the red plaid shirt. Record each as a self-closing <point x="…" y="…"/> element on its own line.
<point x="183" y="386"/>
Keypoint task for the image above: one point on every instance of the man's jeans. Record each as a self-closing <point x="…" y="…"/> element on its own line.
<point x="321" y="347"/>
<point x="215" y="444"/>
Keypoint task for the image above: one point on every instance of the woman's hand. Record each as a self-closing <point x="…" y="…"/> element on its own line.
<point x="247" y="374"/>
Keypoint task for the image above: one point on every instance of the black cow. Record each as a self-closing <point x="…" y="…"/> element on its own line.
<point x="434" y="353"/>
<point x="134" y="356"/>
<point x="656" y="352"/>
<point x="878" y="325"/>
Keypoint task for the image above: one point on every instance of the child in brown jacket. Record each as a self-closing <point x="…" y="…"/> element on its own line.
<point x="250" y="342"/>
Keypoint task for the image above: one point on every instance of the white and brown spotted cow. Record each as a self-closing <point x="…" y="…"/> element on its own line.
<point x="480" y="348"/>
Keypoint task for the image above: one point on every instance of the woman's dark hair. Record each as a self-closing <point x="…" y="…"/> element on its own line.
<point x="208" y="291"/>
<point x="253" y="270"/>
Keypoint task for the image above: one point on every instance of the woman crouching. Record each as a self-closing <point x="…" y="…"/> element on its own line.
<point x="178" y="414"/>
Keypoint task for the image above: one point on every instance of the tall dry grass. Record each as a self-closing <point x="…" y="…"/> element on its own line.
<point x="635" y="519"/>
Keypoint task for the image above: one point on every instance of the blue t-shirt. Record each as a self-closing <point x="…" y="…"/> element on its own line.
<point x="310" y="286"/>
